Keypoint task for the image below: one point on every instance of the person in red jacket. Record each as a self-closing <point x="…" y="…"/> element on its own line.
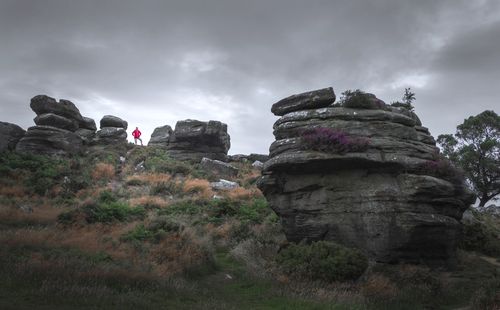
<point x="137" y="135"/>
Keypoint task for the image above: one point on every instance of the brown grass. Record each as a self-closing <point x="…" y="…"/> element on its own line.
<point x="44" y="215"/>
<point x="149" y="202"/>
<point x="150" y="178"/>
<point x="198" y="187"/>
<point x="379" y="288"/>
<point x="103" y="171"/>
<point x="12" y="191"/>
<point x="241" y="193"/>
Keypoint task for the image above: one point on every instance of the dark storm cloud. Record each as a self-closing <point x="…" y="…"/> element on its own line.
<point x="155" y="62"/>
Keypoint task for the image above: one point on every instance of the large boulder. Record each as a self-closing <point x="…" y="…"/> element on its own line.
<point x="87" y="123"/>
<point x="54" y="120"/>
<point x="49" y="140"/>
<point x="367" y="178"/>
<point x="10" y="134"/>
<point x="43" y="104"/>
<point x="192" y="140"/>
<point x="113" y="121"/>
<point x="161" y="136"/>
<point x="309" y="100"/>
<point x="111" y="135"/>
<point x="218" y="168"/>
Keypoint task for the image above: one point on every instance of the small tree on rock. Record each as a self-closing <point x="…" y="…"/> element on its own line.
<point x="475" y="148"/>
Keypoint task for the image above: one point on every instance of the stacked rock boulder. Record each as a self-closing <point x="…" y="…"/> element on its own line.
<point x="113" y="131"/>
<point x="10" y="134"/>
<point x="371" y="188"/>
<point x="55" y="130"/>
<point x="161" y="136"/>
<point x="193" y="140"/>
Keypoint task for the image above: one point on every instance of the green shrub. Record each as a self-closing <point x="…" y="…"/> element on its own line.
<point x="358" y="99"/>
<point x="166" y="188"/>
<point x="108" y="209"/>
<point x="156" y="230"/>
<point x="189" y="207"/>
<point x="478" y="237"/>
<point x="255" y="211"/>
<point x="323" y="260"/>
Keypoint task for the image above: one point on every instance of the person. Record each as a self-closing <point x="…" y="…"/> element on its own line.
<point x="137" y="135"/>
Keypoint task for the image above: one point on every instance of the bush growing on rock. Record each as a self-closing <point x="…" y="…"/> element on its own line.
<point x="323" y="260"/>
<point x="357" y="99"/>
<point x="332" y="140"/>
<point x="444" y="169"/>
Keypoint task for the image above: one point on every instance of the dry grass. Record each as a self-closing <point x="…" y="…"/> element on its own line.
<point x="103" y="171"/>
<point x="198" y="187"/>
<point x="149" y="202"/>
<point x="241" y="193"/>
<point x="13" y="191"/>
<point x="149" y="178"/>
<point x="42" y="215"/>
<point x="379" y="288"/>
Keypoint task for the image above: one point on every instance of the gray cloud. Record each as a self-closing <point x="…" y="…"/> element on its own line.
<point x="155" y="62"/>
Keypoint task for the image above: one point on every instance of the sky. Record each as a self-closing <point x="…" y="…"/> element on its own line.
<point x="153" y="63"/>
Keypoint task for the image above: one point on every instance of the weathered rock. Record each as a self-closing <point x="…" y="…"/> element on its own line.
<point x="310" y="100"/>
<point x="258" y="164"/>
<point x="161" y="136"/>
<point x="87" y="135"/>
<point x="372" y="192"/>
<point x="43" y="104"/>
<point x="113" y="121"/>
<point x="111" y="135"/>
<point x="224" y="185"/>
<point x="241" y="158"/>
<point x="192" y="140"/>
<point x="10" y="134"/>
<point x="258" y="157"/>
<point x="87" y="123"/>
<point x="54" y="120"/>
<point x="218" y="167"/>
<point x="49" y="141"/>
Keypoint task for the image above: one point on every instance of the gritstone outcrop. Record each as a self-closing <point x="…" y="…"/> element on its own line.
<point x="368" y="178"/>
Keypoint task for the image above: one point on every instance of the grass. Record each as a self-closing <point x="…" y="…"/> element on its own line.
<point x="158" y="239"/>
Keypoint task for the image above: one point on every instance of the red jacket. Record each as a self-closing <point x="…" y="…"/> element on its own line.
<point x="136" y="133"/>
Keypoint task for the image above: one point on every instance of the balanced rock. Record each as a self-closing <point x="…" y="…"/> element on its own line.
<point x="161" y="136"/>
<point x="192" y="140"/>
<point x="310" y="100"/>
<point x="366" y="178"/>
<point x="10" y="134"/>
<point x="43" y="104"/>
<point x="218" y="167"/>
<point x="113" y="121"/>
<point x="87" y="123"/>
<point x="49" y="140"/>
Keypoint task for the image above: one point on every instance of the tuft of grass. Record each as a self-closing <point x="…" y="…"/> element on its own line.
<point x="103" y="172"/>
<point x="357" y="99"/>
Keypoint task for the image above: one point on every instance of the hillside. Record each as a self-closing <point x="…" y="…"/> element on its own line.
<point x="135" y="228"/>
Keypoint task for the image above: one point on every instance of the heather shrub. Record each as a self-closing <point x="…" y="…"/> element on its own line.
<point x="487" y="297"/>
<point x="357" y="99"/>
<point x="478" y="237"/>
<point x="108" y="209"/>
<point x="323" y="260"/>
<point x="442" y="168"/>
<point x="332" y="140"/>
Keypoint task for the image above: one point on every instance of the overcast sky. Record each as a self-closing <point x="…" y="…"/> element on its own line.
<point x="155" y="62"/>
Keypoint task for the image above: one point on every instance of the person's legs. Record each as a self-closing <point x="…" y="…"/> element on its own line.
<point x="135" y="141"/>
<point x="140" y="140"/>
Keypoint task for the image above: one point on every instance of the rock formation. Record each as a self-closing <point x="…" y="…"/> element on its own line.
<point x="218" y="168"/>
<point x="368" y="178"/>
<point x="57" y="122"/>
<point x="192" y="140"/>
<point x="10" y="134"/>
<point x="161" y="136"/>
<point x="113" y="131"/>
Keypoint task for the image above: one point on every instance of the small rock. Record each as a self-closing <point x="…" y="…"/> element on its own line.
<point x="140" y="167"/>
<point x="224" y="185"/>
<point x="258" y="164"/>
<point x="122" y="159"/>
<point x="26" y="208"/>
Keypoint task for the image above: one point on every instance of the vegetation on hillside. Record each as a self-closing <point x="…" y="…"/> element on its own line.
<point x="150" y="232"/>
